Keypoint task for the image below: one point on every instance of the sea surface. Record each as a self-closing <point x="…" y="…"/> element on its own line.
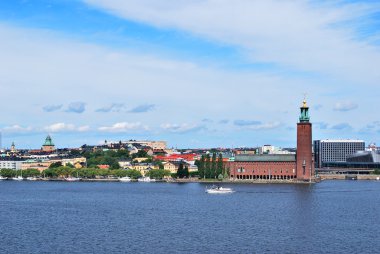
<point x="82" y="217"/>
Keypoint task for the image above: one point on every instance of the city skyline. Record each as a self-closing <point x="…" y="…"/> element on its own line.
<point x="194" y="73"/>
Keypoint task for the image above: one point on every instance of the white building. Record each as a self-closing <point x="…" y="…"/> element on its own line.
<point x="11" y="164"/>
<point x="337" y="150"/>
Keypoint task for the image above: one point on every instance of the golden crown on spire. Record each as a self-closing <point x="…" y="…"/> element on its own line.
<point x="304" y="103"/>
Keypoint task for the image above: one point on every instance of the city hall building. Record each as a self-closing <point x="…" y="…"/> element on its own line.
<point x="299" y="166"/>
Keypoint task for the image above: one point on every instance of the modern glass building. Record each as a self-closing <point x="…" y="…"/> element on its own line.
<point x="327" y="151"/>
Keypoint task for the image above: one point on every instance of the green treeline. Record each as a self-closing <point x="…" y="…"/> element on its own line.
<point x="61" y="171"/>
<point x="212" y="167"/>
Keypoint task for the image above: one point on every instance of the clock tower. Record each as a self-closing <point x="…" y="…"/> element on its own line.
<point x="304" y="162"/>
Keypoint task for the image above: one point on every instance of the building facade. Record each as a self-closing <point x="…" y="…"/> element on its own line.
<point x="298" y="166"/>
<point x="327" y="151"/>
<point x="14" y="164"/>
<point x="48" y="146"/>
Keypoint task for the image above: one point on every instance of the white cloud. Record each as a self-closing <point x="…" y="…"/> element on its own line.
<point x="182" y="128"/>
<point x="17" y="129"/>
<point x="124" y="127"/>
<point x="63" y="127"/>
<point x="345" y="106"/>
<point x="266" y="126"/>
<point x="298" y="34"/>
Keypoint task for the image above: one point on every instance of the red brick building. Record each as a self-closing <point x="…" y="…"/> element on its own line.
<point x="298" y="166"/>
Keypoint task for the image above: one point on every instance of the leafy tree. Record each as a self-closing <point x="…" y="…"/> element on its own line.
<point x="56" y="164"/>
<point x="64" y="171"/>
<point x="134" y="174"/>
<point x="50" y="172"/>
<point x="219" y="167"/>
<point x="181" y="171"/>
<point x="69" y="165"/>
<point x="194" y="174"/>
<point x="75" y="153"/>
<point x="201" y="164"/>
<point x="213" y="166"/>
<point x="159" y="164"/>
<point x="158" y="173"/>
<point x="8" y="172"/>
<point x="122" y="154"/>
<point x="31" y="172"/>
<point x="207" y="167"/>
<point x="140" y="154"/>
<point x="120" y="173"/>
<point x="186" y="171"/>
<point x="115" y="165"/>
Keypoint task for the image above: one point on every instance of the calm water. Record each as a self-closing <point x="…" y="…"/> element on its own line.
<point x="58" y="217"/>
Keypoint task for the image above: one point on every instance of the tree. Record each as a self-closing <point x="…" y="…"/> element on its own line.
<point x="134" y="174"/>
<point x="120" y="173"/>
<point x="8" y="172"/>
<point x="158" y="173"/>
<point x="56" y="164"/>
<point x="207" y="167"/>
<point x="31" y="172"/>
<point x="159" y="164"/>
<point x="213" y="166"/>
<point x="69" y="165"/>
<point x="186" y="172"/>
<point x="140" y="154"/>
<point x="200" y="164"/>
<point x="75" y="153"/>
<point x="181" y="171"/>
<point x="219" y="167"/>
<point x="115" y="165"/>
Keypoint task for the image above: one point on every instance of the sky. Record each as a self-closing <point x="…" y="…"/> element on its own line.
<point x="196" y="73"/>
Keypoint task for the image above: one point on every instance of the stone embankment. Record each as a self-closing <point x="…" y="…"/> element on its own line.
<point x="349" y="177"/>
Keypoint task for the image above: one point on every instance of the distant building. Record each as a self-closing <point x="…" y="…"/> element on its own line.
<point x="13" y="148"/>
<point x="327" y="151"/>
<point x="48" y="146"/>
<point x="11" y="163"/>
<point x="155" y="145"/>
<point x="298" y="166"/>
<point x="365" y="157"/>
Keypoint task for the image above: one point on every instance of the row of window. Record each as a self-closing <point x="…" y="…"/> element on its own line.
<point x="242" y="170"/>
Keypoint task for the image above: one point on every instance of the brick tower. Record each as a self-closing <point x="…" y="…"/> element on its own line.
<point x="305" y="164"/>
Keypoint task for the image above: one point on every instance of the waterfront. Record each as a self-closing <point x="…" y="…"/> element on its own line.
<point x="61" y="217"/>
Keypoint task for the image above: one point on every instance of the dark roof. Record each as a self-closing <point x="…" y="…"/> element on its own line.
<point x="266" y="157"/>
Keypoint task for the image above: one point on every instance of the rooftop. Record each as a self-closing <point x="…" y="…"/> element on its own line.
<point x="266" y="157"/>
<point x="342" y="141"/>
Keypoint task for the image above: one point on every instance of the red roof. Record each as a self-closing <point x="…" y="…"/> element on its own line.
<point x="175" y="157"/>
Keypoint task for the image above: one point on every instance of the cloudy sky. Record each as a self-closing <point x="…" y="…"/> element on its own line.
<point x="197" y="73"/>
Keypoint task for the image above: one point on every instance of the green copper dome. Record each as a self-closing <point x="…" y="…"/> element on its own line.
<point x="48" y="141"/>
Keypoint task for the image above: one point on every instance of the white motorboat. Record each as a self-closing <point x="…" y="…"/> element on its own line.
<point x="3" y="178"/>
<point x="72" y="179"/>
<point x="31" y="178"/>
<point x="146" y="179"/>
<point x="125" y="179"/>
<point x="18" y="178"/>
<point x="219" y="190"/>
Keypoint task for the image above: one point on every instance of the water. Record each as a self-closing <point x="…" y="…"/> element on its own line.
<point x="60" y="217"/>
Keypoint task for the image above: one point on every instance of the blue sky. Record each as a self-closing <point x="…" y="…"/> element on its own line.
<point x="197" y="73"/>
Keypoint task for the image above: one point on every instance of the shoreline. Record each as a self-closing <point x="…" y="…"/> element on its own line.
<point x="229" y="181"/>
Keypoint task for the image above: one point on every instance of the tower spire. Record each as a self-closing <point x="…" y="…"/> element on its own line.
<point x="304" y="116"/>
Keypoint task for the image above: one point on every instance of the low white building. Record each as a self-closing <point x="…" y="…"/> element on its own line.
<point x="11" y="164"/>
